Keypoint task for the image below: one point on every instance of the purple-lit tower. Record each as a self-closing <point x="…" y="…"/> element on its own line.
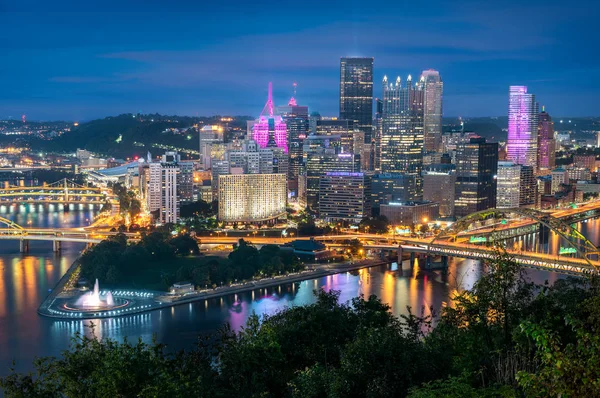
<point x="270" y="129"/>
<point x="546" y="142"/>
<point x="522" y="145"/>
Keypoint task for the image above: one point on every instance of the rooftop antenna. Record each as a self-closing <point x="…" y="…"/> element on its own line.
<point x="293" y="99"/>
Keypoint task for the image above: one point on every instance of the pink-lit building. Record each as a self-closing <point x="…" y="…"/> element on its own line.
<point x="270" y="130"/>
<point x="522" y="142"/>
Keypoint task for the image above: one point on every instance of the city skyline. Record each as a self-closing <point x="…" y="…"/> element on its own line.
<point x="72" y="62"/>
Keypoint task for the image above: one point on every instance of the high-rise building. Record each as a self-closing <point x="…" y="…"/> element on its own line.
<point x="401" y="144"/>
<point x="338" y="127"/>
<point x="546" y="142"/>
<point x="356" y="93"/>
<point x="162" y="191"/>
<point x="508" y="185"/>
<point x="433" y="89"/>
<point x="209" y="135"/>
<point x="297" y="128"/>
<point x="522" y="145"/>
<point x="344" y="196"/>
<point x="402" y="132"/>
<point x="439" y="185"/>
<point x="386" y="188"/>
<point x="527" y="187"/>
<point x="252" y="198"/>
<point x="476" y="169"/>
<point x="269" y="130"/>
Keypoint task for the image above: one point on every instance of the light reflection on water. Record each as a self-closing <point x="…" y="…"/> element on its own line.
<point x="25" y="280"/>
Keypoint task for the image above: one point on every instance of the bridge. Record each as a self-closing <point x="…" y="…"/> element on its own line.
<point x="13" y="231"/>
<point x="61" y="192"/>
<point x="558" y="246"/>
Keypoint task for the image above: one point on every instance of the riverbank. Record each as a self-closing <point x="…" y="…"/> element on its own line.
<point x="144" y="301"/>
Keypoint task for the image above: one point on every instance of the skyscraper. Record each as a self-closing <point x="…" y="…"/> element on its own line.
<point x="344" y="196"/>
<point x="522" y="146"/>
<point x="401" y="146"/>
<point x="546" y="142"/>
<point x="476" y="169"/>
<point x="162" y="189"/>
<point x="433" y="88"/>
<point x="508" y="184"/>
<point x="356" y="93"/>
<point x="269" y="129"/>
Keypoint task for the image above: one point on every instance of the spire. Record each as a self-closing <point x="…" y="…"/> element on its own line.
<point x="268" y="109"/>
<point x="292" y="101"/>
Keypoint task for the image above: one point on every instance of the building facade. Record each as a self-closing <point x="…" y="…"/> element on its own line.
<point x="439" y="185"/>
<point x="522" y="145"/>
<point x="508" y="185"/>
<point x="476" y="169"/>
<point x="546" y="143"/>
<point x="433" y="89"/>
<point x="252" y="198"/>
<point x="386" y="188"/>
<point x="162" y="191"/>
<point x="356" y="93"/>
<point x="401" y="140"/>
<point x="411" y="213"/>
<point x="344" y="196"/>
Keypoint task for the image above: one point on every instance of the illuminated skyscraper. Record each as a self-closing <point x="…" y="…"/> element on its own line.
<point x="433" y="88"/>
<point x="522" y="146"/>
<point x="341" y="128"/>
<point x="356" y="93"/>
<point x="269" y="130"/>
<point x="546" y="142"/>
<point x="401" y="147"/>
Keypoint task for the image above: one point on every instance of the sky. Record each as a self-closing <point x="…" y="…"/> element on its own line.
<point x="77" y="60"/>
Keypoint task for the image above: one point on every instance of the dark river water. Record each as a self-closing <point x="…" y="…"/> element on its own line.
<point x="25" y="280"/>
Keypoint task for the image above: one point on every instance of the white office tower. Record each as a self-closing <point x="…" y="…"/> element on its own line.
<point x="509" y="183"/>
<point x="162" y="191"/>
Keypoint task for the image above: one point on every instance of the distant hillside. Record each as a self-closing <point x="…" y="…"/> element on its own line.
<point x="129" y="135"/>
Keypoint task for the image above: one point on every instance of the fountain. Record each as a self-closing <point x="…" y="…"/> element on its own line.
<point x="94" y="301"/>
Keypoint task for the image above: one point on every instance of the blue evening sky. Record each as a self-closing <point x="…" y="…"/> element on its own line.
<point x="78" y="60"/>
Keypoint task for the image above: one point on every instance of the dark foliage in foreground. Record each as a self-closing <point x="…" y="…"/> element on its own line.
<point x="503" y="338"/>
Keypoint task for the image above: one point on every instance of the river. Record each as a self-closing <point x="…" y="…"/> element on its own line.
<point x="25" y="280"/>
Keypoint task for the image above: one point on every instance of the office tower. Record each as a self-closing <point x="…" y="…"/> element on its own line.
<point x="508" y="185"/>
<point x="585" y="161"/>
<point x="252" y="198"/>
<point x="344" y="196"/>
<point x="387" y="187"/>
<point x="297" y="132"/>
<point x="162" y="191"/>
<point x="433" y="88"/>
<point x="401" y="143"/>
<point x="280" y="161"/>
<point x="527" y="187"/>
<point x="439" y="185"/>
<point x="321" y="161"/>
<point x="476" y="169"/>
<point x="342" y="128"/>
<point x="522" y="143"/>
<point x="546" y="142"/>
<point x="356" y="93"/>
<point x="312" y="122"/>
<point x="269" y="130"/>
